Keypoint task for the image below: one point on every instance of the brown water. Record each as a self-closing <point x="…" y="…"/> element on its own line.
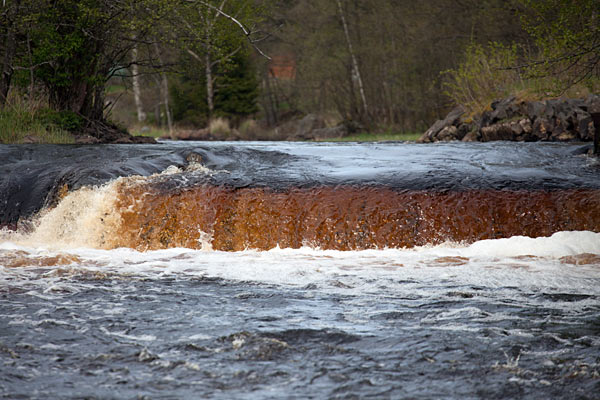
<point x="343" y="217"/>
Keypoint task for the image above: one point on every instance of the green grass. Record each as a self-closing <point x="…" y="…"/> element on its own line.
<point x="157" y="132"/>
<point x="378" y="137"/>
<point x="21" y="125"/>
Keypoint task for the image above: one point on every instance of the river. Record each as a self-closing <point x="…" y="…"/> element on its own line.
<point x="300" y="270"/>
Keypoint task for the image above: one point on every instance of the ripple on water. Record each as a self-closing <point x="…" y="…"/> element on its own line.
<point x="304" y="323"/>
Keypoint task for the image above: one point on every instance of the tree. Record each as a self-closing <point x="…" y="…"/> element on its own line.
<point x="212" y="42"/>
<point x="9" y="19"/>
<point x="235" y="96"/>
<point x="387" y="55"/>
<point x="355" y="69"/>
<point x="73" y="47"/>
<point x="238" y="88"/>
<point x="567" y="34"/>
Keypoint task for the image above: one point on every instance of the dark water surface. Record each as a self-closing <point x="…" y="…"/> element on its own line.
<point x="453" y="331"/>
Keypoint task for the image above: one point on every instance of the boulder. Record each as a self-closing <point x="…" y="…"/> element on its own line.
<point x="498" y="132"/>
<point x="535" y="109"/>
<point x="503" y="109"/>
<point x="592" y="104"/>
<point x="550" y="109"/>
<point x="585" y="126"/>
<point x="566" y="136"/>
<point x="516" y="129"/>
<point x="541" y="130"/>
<point x="526" y="125"/>
<point x="431" y="133"/>
<point x="472" y="136"/>
<point x="453" y="117"/>
<point x="447" y="134"/>
<point x="463" y="130"/>
<point x="510" y="119"/>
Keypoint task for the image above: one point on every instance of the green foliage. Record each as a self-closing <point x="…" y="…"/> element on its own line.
<point x="67" y="45"/>
<point x="64" y="119"/>
<point x="188" y="99"/>
<point x="486" y="74"/>
<point x="378" y="137"/>
<point x="20" y="123"/>
<point x="235" y="98"/>
<point x="567" y="34"/>
<point x="237" y="89"/>
<point x="69" y="49"/>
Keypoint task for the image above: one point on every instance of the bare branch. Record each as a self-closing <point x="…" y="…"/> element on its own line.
<point x="247" y="32"/>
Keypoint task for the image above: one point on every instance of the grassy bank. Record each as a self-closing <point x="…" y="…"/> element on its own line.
<point x="379" y="137"/>
<point x="29" y="125"/>
<point x="150" y="131"/>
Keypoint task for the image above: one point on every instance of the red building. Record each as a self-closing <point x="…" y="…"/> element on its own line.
<point x="282" y="67"/>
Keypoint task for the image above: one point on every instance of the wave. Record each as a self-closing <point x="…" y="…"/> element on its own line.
<point x="150" y="213"/>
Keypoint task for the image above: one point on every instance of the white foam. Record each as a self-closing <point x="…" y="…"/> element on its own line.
<point x="559" y="244"/>
<point x="81" y="219"/>
<point x="489" y="263"/>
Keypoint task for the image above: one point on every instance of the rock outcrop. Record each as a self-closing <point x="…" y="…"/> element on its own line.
<point x="559" y="120"/>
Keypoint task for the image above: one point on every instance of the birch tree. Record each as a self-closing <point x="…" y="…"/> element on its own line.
<point x="216" y="34"/>
<point x="137" y="90"/>
<point x="355" y="69"/>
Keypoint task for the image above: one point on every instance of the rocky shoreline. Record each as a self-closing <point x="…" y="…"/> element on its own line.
<point x="557" y="120"/>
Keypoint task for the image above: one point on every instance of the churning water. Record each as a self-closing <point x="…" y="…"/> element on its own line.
<point x="281" y="270"/>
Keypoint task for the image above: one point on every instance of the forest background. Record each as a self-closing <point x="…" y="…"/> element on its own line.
<point x="241" y="68"/>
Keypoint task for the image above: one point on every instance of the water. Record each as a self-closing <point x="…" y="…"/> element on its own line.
<point x="504" y="317"/>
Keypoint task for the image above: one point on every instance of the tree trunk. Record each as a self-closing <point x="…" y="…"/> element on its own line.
<point x="7" y="69"/>
<point x="270" y="104"/>
<point x="164" y="91"/>
<point x="356" y="70"/>
<point x="210" y="91"/>
<point x="10" y="47"/>
<point x="596" y="122"/>
<point x="137" y="95"/>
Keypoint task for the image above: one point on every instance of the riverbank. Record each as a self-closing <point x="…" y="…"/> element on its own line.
<point x="514" y="119"/>
<point x="22" y="124"/>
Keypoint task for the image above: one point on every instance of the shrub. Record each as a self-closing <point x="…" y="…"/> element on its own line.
<point x="65" y="120"/>
<point x="486" y="74"/>
<point x="250" y="130"/>
<point x="24" y="120"/>
<point x="219" y="127"/>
